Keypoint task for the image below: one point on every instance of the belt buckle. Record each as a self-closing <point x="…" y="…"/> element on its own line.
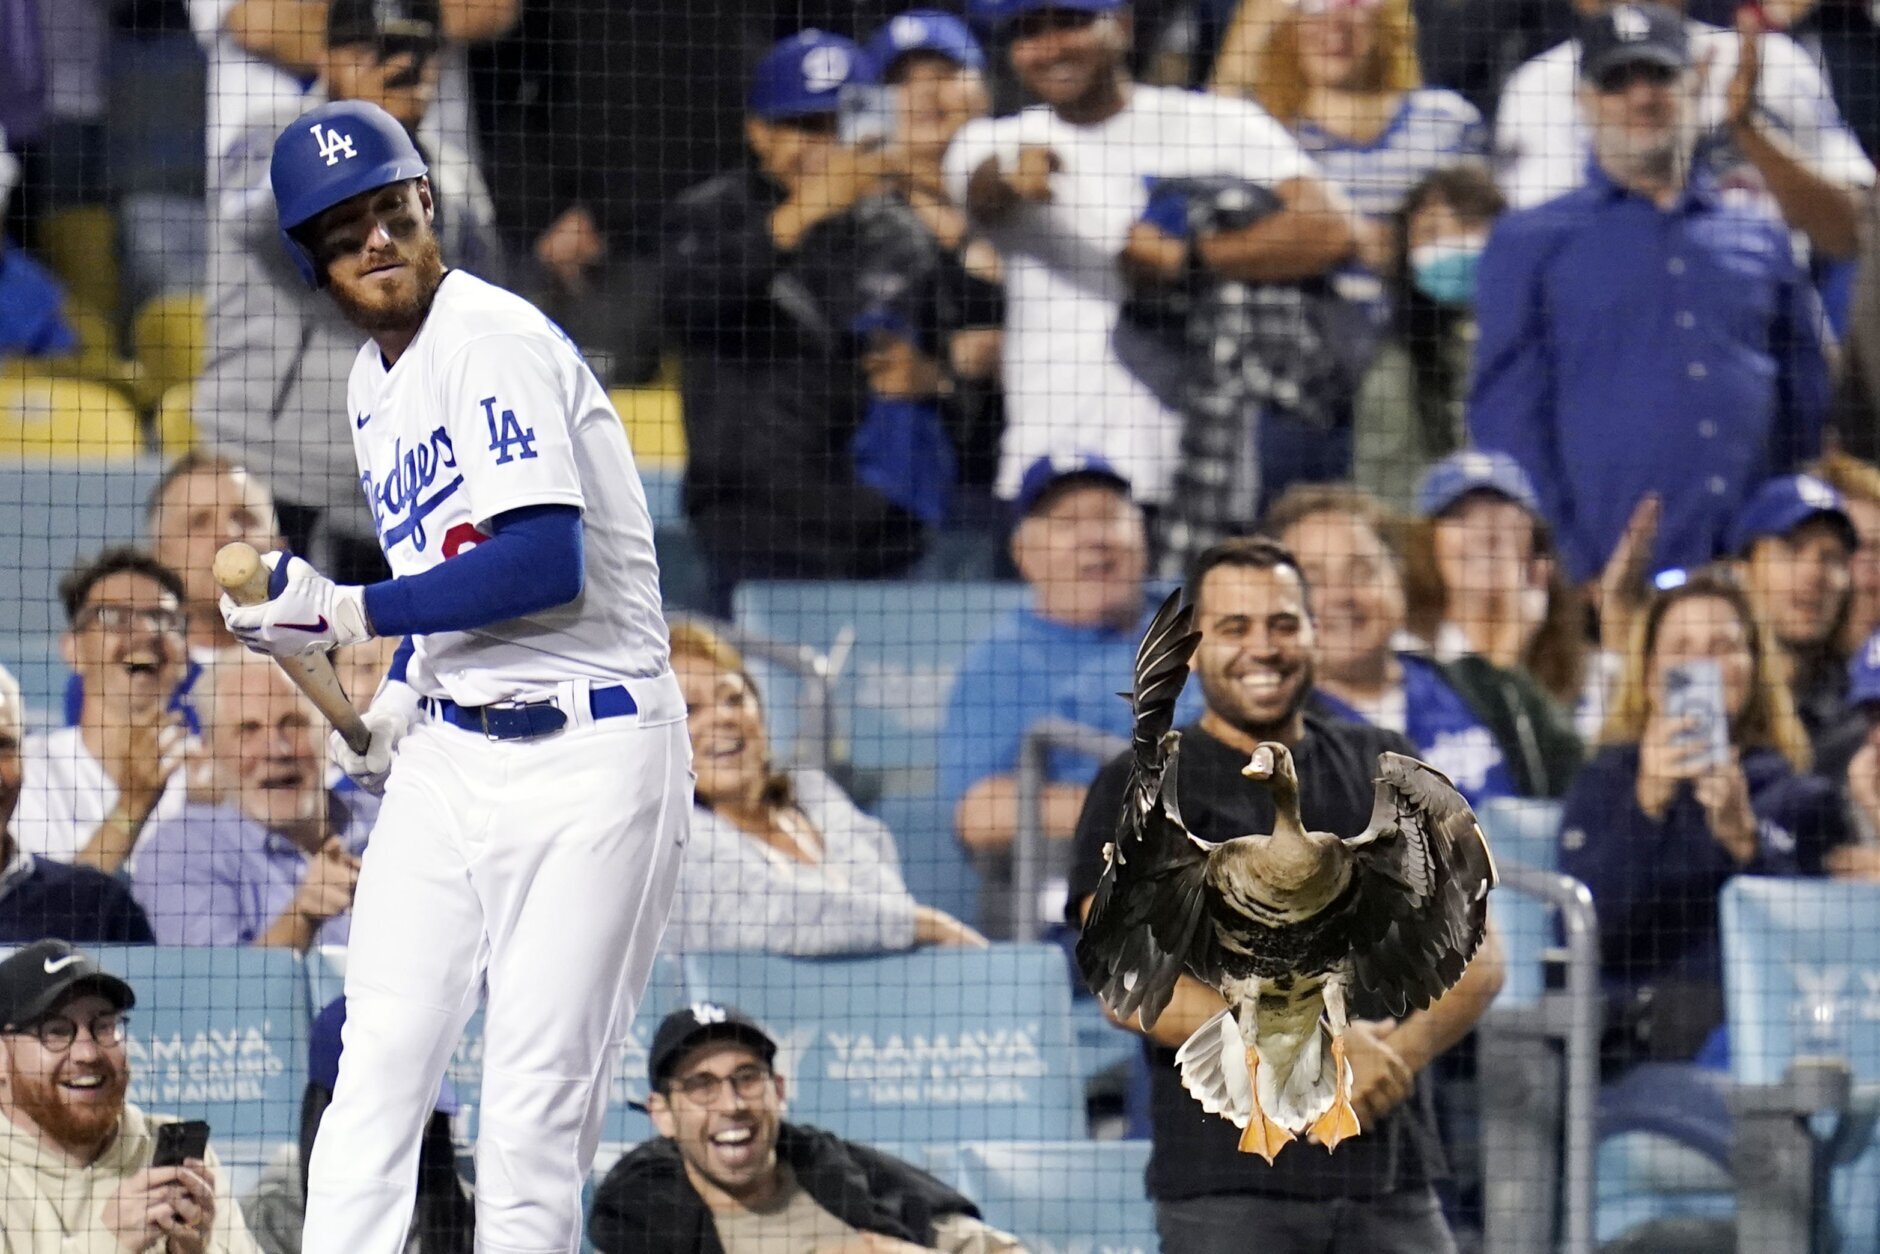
<point x="555" y="722"/>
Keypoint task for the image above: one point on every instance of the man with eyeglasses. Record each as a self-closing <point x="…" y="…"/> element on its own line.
<point x="1647" y="333"/>
<point x="39" y="897"/>
<point x="729" y="1176"/>
<point x="75" y="1156"/>
<point x="90" y="789"/>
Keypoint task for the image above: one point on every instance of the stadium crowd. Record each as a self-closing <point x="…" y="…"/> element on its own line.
<point x="1544" y="363"/>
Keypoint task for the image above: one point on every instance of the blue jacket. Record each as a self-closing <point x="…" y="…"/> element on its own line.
<point x="1626" y="349"/>
<point x="1655" y="883"/>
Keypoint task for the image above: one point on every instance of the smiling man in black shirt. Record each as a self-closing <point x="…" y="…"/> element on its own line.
<point x="1373" y="1195"/>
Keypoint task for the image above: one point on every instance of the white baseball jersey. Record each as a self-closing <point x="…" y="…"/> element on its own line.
<point x="1065" y="388"/>
<point x="491" y="409"/>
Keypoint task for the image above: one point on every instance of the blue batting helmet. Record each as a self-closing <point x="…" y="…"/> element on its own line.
<point x="331" y="154"/>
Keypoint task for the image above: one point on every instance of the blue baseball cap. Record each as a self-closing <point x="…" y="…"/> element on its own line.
<point x="999" y="12"/>
<point x="923" y="30"/>
<point x="804" y="75"/>
<point x="1785" y="503"/>
<point x="323" y="1049"/>
<point x="1863" y="673"/>
<point x="1474" y="470"/>
<point x="1045" y="476"/>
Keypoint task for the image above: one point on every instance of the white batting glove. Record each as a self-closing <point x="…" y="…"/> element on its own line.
<point x="307" y="612"/>
<point x="393" y="712"/>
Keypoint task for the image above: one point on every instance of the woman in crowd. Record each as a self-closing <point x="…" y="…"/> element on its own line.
<point x="1410" y="411"/>
<point x="1658" y="820"/>
<point x="1342" y="76"/>
<point x="779" y="861"/>
<point x="1490" y="730"/>
<point x="1482" y="578"/>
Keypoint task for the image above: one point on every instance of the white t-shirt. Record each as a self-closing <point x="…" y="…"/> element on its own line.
<point x="65" y="794"/>
<point x="242" y="84"/>
<point x="1542" y="144"/>
<point x="492" y="408"/>
<point x="1065" y="389"/>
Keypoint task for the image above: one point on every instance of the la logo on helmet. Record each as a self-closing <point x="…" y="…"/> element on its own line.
<point x="333" y="145"/>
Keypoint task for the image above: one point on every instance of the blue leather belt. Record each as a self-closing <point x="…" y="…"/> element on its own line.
<point x="525" y="720"/>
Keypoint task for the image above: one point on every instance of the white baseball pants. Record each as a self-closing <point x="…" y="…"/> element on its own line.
<point x="545" y="867"/>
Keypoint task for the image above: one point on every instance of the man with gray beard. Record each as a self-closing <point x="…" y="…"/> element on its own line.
<point x="1645" y="333"/>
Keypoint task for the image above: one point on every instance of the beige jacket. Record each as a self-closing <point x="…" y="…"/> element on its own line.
<point x="48" y="1206"/>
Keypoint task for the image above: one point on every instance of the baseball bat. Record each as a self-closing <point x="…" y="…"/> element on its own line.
<point x="243" y="575"/>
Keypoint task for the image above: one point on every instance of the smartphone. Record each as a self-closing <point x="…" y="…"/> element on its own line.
<point x="179" y="1142"/>
<point x="867" y="115"/>
<point x="1694" y="695"/>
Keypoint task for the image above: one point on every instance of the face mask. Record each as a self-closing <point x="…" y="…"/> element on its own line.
<point x="1445" y="271"/>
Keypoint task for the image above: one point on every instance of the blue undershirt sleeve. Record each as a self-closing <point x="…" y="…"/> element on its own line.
<point x="531" y="562"/>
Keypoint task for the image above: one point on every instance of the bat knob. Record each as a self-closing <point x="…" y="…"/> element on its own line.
<point x="241" y="573"/>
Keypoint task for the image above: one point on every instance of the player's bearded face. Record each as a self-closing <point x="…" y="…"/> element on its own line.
<point x="74" y="1097"/>
<point x="382" y="258"/>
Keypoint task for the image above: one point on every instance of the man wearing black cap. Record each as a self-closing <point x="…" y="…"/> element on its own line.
<point x="278" y="351"/>
<point x="728" y="1175"/>
<point x="75" y="1169"/>
<point x="1646" y="333"/>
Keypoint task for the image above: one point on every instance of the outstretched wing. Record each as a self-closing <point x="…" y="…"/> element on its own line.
<point x="1424" y="873"/>
<point x="1148" y="921"/>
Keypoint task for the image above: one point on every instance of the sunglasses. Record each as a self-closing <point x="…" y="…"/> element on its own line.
<point x="1619" y="78"/>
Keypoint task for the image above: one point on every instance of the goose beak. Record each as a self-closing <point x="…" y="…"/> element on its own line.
<point x="1260" y="765"/>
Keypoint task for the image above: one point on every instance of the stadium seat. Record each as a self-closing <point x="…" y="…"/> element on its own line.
<point x="1522" y="829"/>
<point x="1066" y="1196"/>
<point x="902" y="642"/>
<point x="663" y="488"/>
<point x="79" y="243"/>
<point x="654" y="425"/>
<point x="937" y="1045"/>
<point x="625" y="1124"/>
<point x="934" y="865"/>
<point x="176" y="420"/>
<point x="169" y="337"/>
<point x="66" y="419"/>
<point x="1801" y="966"/>
<point x="220" y="1035"/>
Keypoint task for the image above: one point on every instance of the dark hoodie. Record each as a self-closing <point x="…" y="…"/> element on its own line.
<point x="646" y="1205"/>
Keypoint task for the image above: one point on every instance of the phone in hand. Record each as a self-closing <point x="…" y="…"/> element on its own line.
<point x="179" y="1142"/>
<point x="1694" y="702"/>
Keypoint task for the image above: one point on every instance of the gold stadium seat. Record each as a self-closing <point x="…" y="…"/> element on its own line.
<point x="80" y="245"/>
<point x="168" y="339"/>
<point x="653" y="422"/>
<point x="176" y="423"/>
<point x="67" y="419"/>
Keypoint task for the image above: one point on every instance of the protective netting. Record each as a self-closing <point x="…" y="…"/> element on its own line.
<point x="947" y="343"/>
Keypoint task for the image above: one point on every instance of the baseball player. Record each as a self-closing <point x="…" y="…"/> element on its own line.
<point x="532" y="823"/>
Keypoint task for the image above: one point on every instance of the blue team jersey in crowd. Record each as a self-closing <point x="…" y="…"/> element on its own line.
<point x="1446" y="732"/>
<point x="1431" y="129"/>
<point x="1029" y="668"/>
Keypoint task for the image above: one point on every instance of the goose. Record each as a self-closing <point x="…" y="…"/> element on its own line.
<point x="1299" y="931"/>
